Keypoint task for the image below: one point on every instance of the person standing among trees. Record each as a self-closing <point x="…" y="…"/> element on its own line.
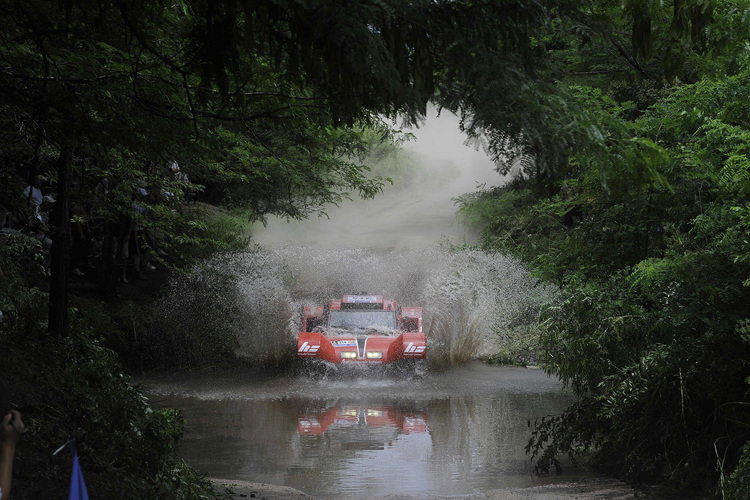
<point x="138" y="236"/>
<point x="188" y="195"/>
<point x="11" y="429"/>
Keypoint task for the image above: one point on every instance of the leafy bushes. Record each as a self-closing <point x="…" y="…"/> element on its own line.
<point x="204" y="230"/>
<point x="650" y="327"/>
<point x="73" y="388"/>
<point x="738" y="484"/>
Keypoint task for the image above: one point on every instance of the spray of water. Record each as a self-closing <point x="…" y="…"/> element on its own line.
<point x="471" y="299"/>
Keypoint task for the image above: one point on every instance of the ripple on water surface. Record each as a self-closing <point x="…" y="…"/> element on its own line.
<point x="449" y="433"/>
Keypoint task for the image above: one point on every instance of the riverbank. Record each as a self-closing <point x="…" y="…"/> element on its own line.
<point x="593" y="489"/>
<point x="244" y="489"/>
<point x="590" y="489"/>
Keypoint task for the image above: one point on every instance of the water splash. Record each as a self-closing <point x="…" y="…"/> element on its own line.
<point x="471" y="299"/>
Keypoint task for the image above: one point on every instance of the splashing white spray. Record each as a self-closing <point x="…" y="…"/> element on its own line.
<point x="470" y="298"/>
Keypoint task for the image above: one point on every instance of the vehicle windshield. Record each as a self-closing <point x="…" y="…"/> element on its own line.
<point x="364" y="320"/>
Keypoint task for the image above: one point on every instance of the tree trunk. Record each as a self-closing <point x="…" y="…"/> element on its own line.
<point x="61" y="244"/>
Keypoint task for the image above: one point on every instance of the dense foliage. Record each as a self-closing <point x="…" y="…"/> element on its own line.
<point x="624" y="124"/>
<point x="74" y="388"/>
<point x="262" y="104"/>
<point x="645" y="231"/>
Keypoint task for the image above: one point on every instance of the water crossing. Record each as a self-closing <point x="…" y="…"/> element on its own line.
<point x="473" y="301"/>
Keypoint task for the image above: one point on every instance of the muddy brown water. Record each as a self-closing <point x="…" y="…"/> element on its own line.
<point x="365" y="433"/>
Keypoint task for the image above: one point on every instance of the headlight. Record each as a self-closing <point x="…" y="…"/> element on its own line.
<point x="374" y="355"/>
<point x="348" y="355"/>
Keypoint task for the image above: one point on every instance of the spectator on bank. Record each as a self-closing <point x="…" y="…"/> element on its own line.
<point x="11" y="428"/>
<point x="34" y="195"/>
<point x="37" y="221"/>
<point x="97" y="222"/>
<point x="138" y="236"/>
<point x="79" y="254"/>
<point x="120" y="245"/>
<point x="184" y="182"/>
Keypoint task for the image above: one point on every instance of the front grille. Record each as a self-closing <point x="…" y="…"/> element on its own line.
<point x="361" y="346"/>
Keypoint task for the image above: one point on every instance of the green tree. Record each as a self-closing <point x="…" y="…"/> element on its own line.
<point x="643" y="225"/>
<point x="116" y="90"/>
<point x="653" y="271"/>
<point x="249" y="95"/>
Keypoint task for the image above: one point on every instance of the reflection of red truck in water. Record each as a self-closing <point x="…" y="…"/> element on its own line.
<point x="371" y="416"/>
<point x="362" y="328"/>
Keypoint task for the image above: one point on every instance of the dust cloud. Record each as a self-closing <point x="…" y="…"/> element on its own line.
<point x="407" y="218"/>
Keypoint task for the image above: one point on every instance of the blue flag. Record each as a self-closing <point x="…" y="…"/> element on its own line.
<point x="77" y="485"/>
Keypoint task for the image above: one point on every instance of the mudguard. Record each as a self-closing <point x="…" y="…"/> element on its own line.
<point x="415" y="345"/>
